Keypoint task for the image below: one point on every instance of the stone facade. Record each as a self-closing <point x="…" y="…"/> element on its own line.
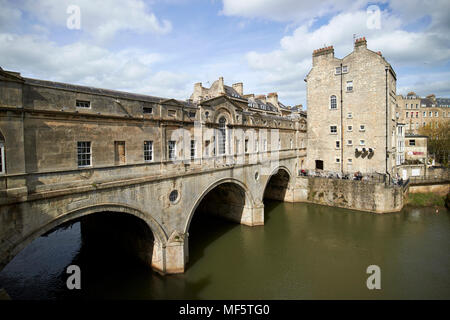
<point x="261" y="103"/>
<point x="69" y="151"/>
<point x="417" y="112"/>
<point x="357" y="195"/>
<point x="416" y="148"/>
<point x="351" y="112"/>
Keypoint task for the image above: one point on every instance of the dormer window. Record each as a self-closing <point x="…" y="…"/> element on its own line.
<point x="83" y="104"/>
<point x="147" y="110"/>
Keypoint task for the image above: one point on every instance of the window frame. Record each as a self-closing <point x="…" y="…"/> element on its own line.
<point x="193" y="149"/>
<point x="349" y="88"/>
<point x="333" y="97"/>
<point x="84" y="153"/>
<point x="2" y="160"/>
<point x="331" y="129"/>
<point x="82" y="101"/>
<point x="145" y="109"/>
<point x="148" y="152"/>
<point x="222" y="136"/>
<point x="172" y="146"/>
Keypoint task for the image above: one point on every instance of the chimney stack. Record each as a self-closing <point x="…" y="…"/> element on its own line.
<point x="261" y="97"/>
<point x="273" y="98"/>
<point x="239" y="87"/>
<point x="361" y="42"/>
<point x="322" y="53"/>
<point x="221" y="86"/>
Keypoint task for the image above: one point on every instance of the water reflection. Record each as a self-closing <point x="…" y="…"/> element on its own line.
<point x="304" y="251"/>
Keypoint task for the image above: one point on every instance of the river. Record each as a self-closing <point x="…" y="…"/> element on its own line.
<point x="304" y="251"/>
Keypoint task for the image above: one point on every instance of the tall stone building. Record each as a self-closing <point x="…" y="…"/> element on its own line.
<point x="351" y="112"/>
<point x="417" y="112"/>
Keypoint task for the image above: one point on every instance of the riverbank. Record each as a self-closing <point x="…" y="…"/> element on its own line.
<point x="427" y="199"/>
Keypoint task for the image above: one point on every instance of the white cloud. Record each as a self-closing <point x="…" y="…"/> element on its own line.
<point x="100" y="19"/>
<point x="425" y="84"/>
<point x="288" y="65"/>
<point x="286" y="10"/>
<point x="82" y="63"/>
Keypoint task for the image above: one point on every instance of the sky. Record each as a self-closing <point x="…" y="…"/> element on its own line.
<point x="163" y="47"/>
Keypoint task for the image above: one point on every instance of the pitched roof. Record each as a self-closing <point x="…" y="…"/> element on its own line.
<point x="93" y="90"/>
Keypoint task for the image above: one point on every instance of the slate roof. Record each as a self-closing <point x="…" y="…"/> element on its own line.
<point x="443" y="102"/>
<point x="425" y="102"/>
<point x="92" y="90"/>
<point x="229" y="91"/>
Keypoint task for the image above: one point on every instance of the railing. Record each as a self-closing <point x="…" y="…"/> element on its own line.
<point x="428" y="180"/>
<point x="369" y="177"/>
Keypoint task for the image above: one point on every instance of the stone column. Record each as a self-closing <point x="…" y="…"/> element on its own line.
<point x="158" y="258"/>
<point x="253" y="216"/>
<point x="176" y="253"/>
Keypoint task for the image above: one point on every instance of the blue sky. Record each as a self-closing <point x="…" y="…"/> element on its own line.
<point x="162" y="47"/>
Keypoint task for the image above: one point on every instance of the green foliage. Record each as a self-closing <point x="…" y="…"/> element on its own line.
<point x="426" y="200"/>
<point x="438" y="140"/>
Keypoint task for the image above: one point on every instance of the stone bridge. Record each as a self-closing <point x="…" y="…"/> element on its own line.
<point x="165" y="203"/>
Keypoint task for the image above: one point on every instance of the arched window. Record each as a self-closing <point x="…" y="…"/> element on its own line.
<point x="333" y="103"/>
<point x="222" y="135"/>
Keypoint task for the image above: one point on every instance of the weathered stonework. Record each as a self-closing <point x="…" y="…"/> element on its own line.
<point x="357" y="195"/>
<point x="416" y="112"/>
<point x="43" y="185"/>
<point x="351" y="94"/>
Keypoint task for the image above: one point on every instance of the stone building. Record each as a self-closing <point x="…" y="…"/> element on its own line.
<point x="400" y="159"/>
<point x="416" y="148"/>
<point x="50" y="132"/>
<point x="351" y="112"/>
<point x="261" y="103"/>
<point x="417" y="112"/>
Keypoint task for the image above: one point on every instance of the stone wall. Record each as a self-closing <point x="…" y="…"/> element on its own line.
<point x="441" y="189"/>
<point x="358" y="118"/>
<point x="357" y="195"/>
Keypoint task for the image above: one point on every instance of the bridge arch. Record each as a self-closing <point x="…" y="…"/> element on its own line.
<point x="247" y="200"/>
<point x="158" y="232"/>
<point x="277" y="184"/>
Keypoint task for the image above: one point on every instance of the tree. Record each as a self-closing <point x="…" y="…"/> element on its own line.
<point x="438" y="140"/>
